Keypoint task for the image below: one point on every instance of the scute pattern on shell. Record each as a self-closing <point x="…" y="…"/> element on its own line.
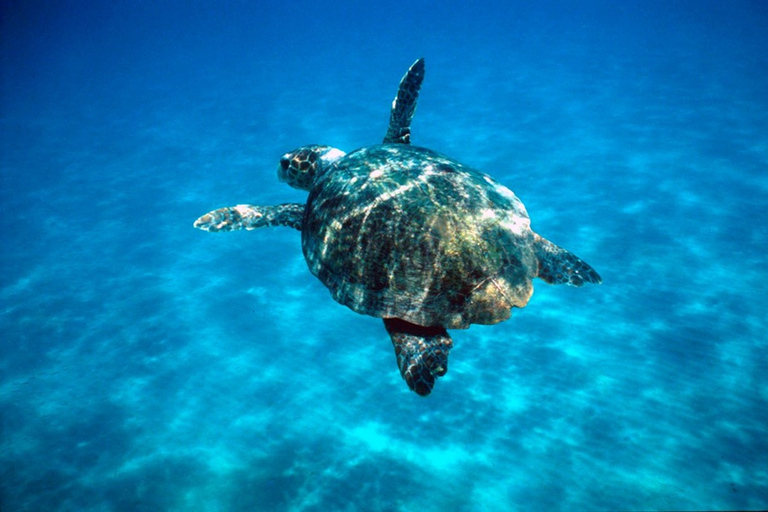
<point x="399" y="231"/>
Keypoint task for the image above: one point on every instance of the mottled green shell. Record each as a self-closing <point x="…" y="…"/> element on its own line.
<point x="401" y="231"/>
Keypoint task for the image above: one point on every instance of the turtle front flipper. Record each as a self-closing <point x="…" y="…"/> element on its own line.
<point x="245" y="216"/>
<point x="404" y="105"/>
<point x="559" y="266"/>
<point x="422" y="353"/>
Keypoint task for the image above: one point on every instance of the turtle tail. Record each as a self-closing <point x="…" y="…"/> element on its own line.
<point x="422" y="353"/>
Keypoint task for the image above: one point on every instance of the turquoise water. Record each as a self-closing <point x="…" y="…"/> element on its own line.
<point x="146" y="365"/>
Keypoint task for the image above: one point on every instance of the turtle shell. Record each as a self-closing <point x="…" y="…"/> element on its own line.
<point x="399" y="231"/>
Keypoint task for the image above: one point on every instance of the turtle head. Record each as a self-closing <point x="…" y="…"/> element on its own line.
<point x="299" y="167"/>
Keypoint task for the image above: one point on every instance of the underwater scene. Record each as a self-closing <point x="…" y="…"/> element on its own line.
<point x="146" y="365"/>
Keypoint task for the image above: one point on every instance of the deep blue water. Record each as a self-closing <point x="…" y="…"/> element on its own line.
<point x="146" y="365"/>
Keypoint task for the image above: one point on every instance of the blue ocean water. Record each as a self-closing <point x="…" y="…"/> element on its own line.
<point x="146" y="365"/>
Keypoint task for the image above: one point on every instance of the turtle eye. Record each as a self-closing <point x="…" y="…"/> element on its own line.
<point x="285" y="163"/>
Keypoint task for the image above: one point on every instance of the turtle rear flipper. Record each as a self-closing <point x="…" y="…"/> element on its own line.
<point x="559" y="266"/>
<point x="246" y="216"/>
<point x="404" y="105"/>
<point x="422" y="353"/>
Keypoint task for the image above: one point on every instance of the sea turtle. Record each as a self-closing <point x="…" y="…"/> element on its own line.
<point x="411" y="236"/>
